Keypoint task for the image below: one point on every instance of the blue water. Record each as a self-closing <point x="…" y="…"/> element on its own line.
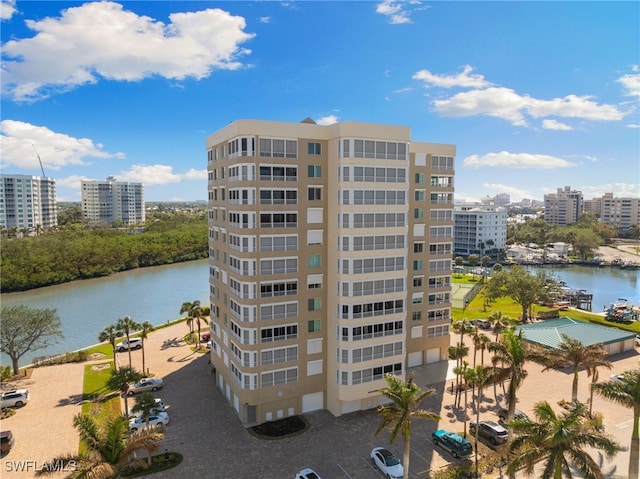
<point x="86" y="307"/>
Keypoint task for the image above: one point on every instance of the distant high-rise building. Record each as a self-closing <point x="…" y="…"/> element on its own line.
<point x="564" y="207"/>
<point x="27" y="202"/>
<point x="110" y="200"/>
<point x="331" y="258"/>
<point x="618" y="213"/>
<point x="479" y="230"/>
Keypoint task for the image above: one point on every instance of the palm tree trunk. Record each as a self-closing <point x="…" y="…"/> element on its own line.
<point x="144" y="370"/>
<point x="129" y="348"/>
<point x="634" y="457"/>
<point x="406" y="455"/>
<point x="574" y="389"/>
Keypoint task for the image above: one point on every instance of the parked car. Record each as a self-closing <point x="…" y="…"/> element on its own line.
<point x="491" y="430"/>
<point x="481" y="323"/>
<point x="518" y="414"/>
<point x="145" y="384"/>
<point x="160" y="419"/>
<point x="207" y="337"/>
<point x="453" y="442"/>
<point x="387" y="463"/>
<point x="637" y="339"/>
<point x="14" y="398"/>
<point x="307" y="473"/>
<point x="617" y="377"/>
<point x="7" y="441"/>
<point x="133" y="343"/>
<point x="159" y="407"/>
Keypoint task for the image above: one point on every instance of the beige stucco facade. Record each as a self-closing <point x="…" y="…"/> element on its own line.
<point x="330" y="255"/>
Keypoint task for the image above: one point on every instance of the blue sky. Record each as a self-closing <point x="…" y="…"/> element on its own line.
<point x="536" y="95"/>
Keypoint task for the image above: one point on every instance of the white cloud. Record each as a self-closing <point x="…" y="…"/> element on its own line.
<point x="101" y="40"/>
<point x="555" y="125"/>
<point x="327" y="120"/>
<point x="516" y="194"/>
<point x="264" y="19"/>
<point x="504" y="159"/>
<point x="395" y="11"/>
<point x="631" y="83"/>
<point x="463" y="79"/>
<point x="507" y="104"/>
<point x="158" y="175"/>
<point x="19" y="142"/>
<point x="7" y="9"/>
<point x="633" y="125"/>
<point x="619" y="190"/>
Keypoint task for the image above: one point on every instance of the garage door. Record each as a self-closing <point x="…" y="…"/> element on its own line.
<point x="433" y="355"/>
<point x="312" y="402"/>
<point x="415" y="359"/>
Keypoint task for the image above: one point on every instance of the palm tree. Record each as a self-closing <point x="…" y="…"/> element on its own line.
<point x="458" y="352"/>
<point x="127" y="326"/>
<point x="512" y="355"/>
<point x="479" y="377"/>
<point x="463" y="327"/>
<point x="107" y="450"/>
<point x="198" y="315"/>
<point x="145" y="328"/>
<point x="145" y="403"/>
<point x="483" y="343"/>
<point x="500" y="323"/>
<point x="110" y="333"/>
<point x="558" y="441"/>
<point x="572" y="353"/>
<point x="120" y="380"/>
<point x="405" y="400"/>
<point x="190" y="308"/>
<point x="625" y="390"/>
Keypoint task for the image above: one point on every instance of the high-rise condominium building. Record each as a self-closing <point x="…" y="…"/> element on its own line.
<point x="330" y="254"/>
<point x="110" y="200"/>
<point x="564" y="207"/>
<point x="480" y="230"/>
<point x="27" y="202"/>
<point x="618" y="213"/>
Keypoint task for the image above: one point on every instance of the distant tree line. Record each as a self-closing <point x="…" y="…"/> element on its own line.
<point x="77" y="252"/>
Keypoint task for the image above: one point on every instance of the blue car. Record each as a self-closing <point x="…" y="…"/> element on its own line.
<point x="457" y="445"/>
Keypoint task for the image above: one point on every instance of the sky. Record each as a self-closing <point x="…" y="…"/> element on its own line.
<point x="535" y="95"/>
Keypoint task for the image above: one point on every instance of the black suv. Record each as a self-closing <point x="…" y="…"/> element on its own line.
<point x="491" y="430"/>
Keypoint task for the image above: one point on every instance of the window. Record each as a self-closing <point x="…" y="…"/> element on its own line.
<point x="419" y="195"/>
<point x="314" y="171"/>
<point x="314" y="193"/>
<point x="275" y="378"/>
<point x="314" y="261"/>
<point x="313" y="325"/>
<point x="418" y="247"/>
<point x="417" y="265"/>
<point x="315" y="304"/>
<point x="418" y="213"/>
<point x="313" y="148"/>
<point x="420" y="178"/>
<point x="416" y="316"/>
<point x="418" y="281"/>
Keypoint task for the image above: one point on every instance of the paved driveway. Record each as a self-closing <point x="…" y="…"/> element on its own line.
<point x="205" y="429"/>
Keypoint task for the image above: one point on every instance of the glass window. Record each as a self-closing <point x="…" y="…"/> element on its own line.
<point x="315" y="304"/>
<point x="314" y="261"/>
<point x="313" y="148"/>
<point x="314" y="325"/>
<point x="315" y="171"/>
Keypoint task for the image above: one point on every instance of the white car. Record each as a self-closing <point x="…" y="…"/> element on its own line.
<point x="145" y="384"/>
<point x="307" y="473"/>
<point x="387" y="463"/>
<point x="133" y="343"/>
<point x="15" y="398"/>
<point x="160" y="419"/>
<point x="159" y="407"/>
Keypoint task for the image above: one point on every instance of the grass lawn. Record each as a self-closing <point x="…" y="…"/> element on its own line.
<point x="98" y="400"/>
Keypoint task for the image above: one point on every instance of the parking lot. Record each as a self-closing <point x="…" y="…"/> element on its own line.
<point x="206" y="431"/>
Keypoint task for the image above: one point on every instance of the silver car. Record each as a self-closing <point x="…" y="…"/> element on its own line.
<point x="145" y="384"/>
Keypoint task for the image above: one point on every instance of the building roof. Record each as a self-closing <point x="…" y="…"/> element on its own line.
<point x="549" y="333"/>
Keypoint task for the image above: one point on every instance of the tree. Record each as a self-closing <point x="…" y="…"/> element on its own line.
<point x="512" y="355"/>
<point x="120" y="380"/>
<point x="191" y="309"/>
<point x="404" y="407"/>
<point x="110" y="334"/>
<point x="127" y="326"/>
<point x="473" y="260"/>
<point x="625" y="390"/>
<point x="458" y="352"/>
<point x="145" y="328"/>
<point x="479" y="377"/>
<point x="107" y="450"/>
<point x="26" y="329"/>
<point x="559" y="442"/>
<point x="573" y="354"/>
<point x="458" y="261"/>
<point x="145" y="404"/>
<point x="198" y="315"/>
<point x="500" y="323"/>
<point x="482" y="341"/>
<point x="521" y="286"/>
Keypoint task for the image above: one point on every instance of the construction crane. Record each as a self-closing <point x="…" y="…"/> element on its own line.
<point x="39" y="160"/>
